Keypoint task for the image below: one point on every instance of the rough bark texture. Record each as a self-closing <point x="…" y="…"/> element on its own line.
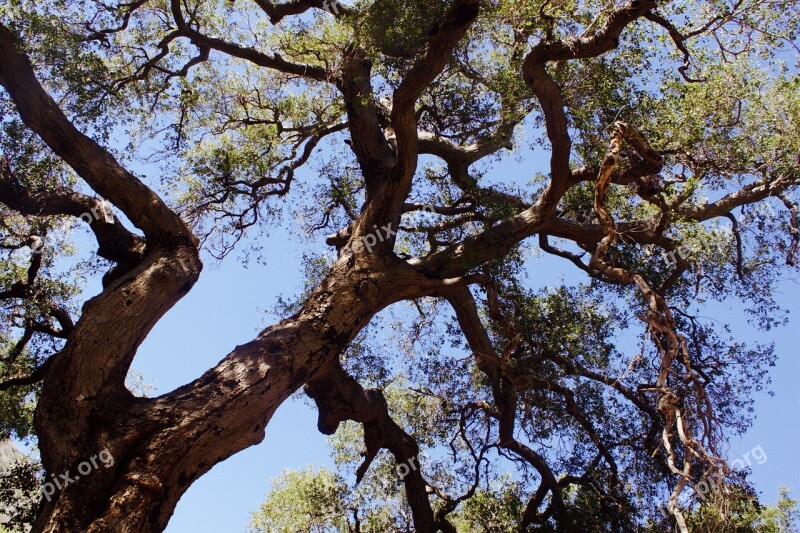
<point x="162" y="445"/>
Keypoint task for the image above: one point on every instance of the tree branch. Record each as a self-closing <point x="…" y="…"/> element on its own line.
<point x="275" y="61"/>
<point x="340" y="397"/>
<point x="93" y="163"/>
<point x="403" y="119"/>
<point x="36" y="376"/>
<point x="116" y="243"/>
<point x="278" y="12"/>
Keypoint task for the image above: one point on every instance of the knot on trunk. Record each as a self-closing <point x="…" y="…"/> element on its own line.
<point x="367" y="290"/>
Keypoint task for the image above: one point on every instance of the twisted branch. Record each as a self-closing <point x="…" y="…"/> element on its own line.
<point x="672" y="346"/>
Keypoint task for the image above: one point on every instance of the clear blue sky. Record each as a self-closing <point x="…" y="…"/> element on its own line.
<point x="229" y="305"/>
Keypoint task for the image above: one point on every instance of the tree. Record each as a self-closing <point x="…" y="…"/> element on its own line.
<point x="20" y="489"/>
<point x="318" y="501"/>
<point x="666" y="132"/>
<point x="315" y="498"/>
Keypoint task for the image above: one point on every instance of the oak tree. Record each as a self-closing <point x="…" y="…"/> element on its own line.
<point x="439" y="155"/>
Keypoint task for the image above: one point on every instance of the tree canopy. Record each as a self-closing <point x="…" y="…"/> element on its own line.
<point x="434" y="158"/>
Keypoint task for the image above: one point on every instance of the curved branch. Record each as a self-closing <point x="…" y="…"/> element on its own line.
<point x="738" y="238"/>
<point x="536" y="77"/>
<point x="275" y="61"/>
<point x="498" y="240"/>
<point x="545" y="245"/>
<point x="678" y="39"/>
<point x="794" y="228"/>
<point x="128" y="11"/>
<point x="751" y="193"/>
<point x="115" y="242"/>
<point x="403" y="119"/>
<point x="340" y="397"/>
<point x="278" y="12"/>
<point x="20" y="345"/>
<point x="604" y="40"/>
<point x="661" y="323"/>
<point x="92" y="162"/>
<point x="35" y="377"/>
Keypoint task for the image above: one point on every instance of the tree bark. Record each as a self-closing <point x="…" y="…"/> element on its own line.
<point x="161" y="445"/>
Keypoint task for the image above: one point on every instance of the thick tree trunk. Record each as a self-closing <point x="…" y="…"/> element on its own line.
<point x="160" y="446"/>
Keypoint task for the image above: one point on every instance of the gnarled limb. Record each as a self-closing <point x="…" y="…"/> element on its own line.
<point x="340" y="397"/>
<point x="116" y="243"/>
<point x="93" y="163"/>
<point x="662" y="325"/>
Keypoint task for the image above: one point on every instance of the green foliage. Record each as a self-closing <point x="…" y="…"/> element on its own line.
<point x="315" y="500"/>
<point x="401" y="28"/>
<point x="20" y="493"/>
<point x="308" y="500"/>
<point x="492" y="511"/>
<point x="747" y="515"/>
<point x="17" y="405"/>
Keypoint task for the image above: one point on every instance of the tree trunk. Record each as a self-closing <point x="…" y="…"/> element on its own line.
<point x="160" y="446"/>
